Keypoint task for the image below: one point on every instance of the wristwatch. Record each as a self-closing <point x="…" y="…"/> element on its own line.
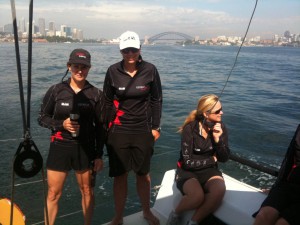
<point x="157" y="129"/>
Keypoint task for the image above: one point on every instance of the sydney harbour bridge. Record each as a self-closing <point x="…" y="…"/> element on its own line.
<point x="168" y="36"/>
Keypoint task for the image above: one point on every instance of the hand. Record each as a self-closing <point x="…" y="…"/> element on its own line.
<point x="71" y="125"/>
<point x="156" y="134"/>
<point x="215" y="158"/>
<point x="217" y="132"/>
<point x="98" y="165"/>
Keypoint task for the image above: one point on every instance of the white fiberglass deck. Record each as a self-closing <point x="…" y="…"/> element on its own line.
<point x="239" y="203"/>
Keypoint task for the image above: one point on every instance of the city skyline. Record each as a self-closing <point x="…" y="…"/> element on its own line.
<point x="204" y="18"/>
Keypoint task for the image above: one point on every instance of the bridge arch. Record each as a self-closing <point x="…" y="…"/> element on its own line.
<point x="170" y="35"/>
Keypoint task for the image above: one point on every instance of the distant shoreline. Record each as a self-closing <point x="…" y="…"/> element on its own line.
<point x="187" y="44"/>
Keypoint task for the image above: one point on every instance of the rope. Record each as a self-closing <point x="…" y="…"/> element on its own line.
<point x="236" y="58"/>
<point x="29" y="67"/>
<point x="27" y="149"/>
<point x="19" y="70"/>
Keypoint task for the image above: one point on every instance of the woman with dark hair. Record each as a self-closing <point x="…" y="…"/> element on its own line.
<point x="73" y="111"/>
<point x="204" y="142"/>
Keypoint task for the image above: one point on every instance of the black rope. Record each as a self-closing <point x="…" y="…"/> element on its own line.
<point x="235" y="61"/>
<point x="234" y="157"/>
<point x="16" y="38"/>
<point x="19" y="70"/>
<point x="27" y="150"/>
<point x="27" y="133"/>
<point x="236" y="57"/>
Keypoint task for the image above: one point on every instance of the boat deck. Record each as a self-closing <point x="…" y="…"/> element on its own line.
<point x="239" y="203"/>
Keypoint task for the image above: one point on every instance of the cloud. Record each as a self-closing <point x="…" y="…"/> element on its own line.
<point x="206" y="18"/>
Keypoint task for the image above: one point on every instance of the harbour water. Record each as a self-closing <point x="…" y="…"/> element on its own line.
<point x="261" y="104"/>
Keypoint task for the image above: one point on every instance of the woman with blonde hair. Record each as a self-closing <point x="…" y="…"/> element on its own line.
<point x="204" y="142"/>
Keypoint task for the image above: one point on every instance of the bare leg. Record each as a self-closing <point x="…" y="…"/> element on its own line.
<point x="193" y="198"/>
<point x="215" y="187"/>
<point x="143" y="185"/>
<point x="87" y="195"/>
<point x="266" y="216"/>
<point x="120" y="194"/>
<point x="56" y="182"/>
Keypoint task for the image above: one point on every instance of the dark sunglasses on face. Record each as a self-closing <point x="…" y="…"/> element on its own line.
<point x="127" y="50"/>
<point x="217" y="111"/>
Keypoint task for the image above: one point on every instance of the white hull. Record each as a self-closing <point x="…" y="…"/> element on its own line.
<point x="239" y="203"/>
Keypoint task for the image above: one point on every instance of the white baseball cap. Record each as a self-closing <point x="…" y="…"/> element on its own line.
<point x="129" y="39"/>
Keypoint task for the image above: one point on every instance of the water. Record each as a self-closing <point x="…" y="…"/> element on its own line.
<point x="261" y="109"/>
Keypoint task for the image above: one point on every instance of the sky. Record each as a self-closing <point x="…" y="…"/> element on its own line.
<point x="203" y="18"/>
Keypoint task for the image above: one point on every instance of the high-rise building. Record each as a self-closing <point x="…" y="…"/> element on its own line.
<point x="77" y="34"/>
<point x="42" y="26"/>
<point x="80" y="35"/>
<point x="22" y="27"/>
<point x="65" y="31"/>
<point x="52" y="30"/>
<point x="68" y="32"/>
<point x="34" y="27"/>
<point x="74" y="33"/>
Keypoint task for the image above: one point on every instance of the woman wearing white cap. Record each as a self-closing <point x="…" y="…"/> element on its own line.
<point x="133" y="96"/>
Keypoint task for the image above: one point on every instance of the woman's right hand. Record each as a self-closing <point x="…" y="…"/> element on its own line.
<point x="71" y="125"/>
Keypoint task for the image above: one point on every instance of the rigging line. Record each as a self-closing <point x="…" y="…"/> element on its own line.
<point x="16" y="139"/>
<point x="29" y="67"/>
<point x="17" y="50"/>
<point x="235" y="61"/>
<point x="59" y="217"/>
<point x="21" y="184"/>
<point x="11" y="139"/>
<point x="105" y="167"/>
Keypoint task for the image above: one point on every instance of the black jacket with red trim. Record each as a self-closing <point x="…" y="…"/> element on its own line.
<point x="141" y="105"/>
<point x="60" y="100"/>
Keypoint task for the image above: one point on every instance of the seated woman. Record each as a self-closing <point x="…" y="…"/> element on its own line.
<point x="204" y="141"/>
<point x="282" y="206"/>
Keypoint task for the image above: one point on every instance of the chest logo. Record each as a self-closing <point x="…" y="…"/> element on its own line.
<point x="65" y="103"/>
<point x="142" y="87"/>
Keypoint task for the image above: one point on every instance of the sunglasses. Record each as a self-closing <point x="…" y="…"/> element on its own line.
<point x="127" y="50"/>
<point x="217" y="111"/>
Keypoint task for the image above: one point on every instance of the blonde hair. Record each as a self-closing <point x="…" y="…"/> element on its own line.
<point x="205" y="104"/>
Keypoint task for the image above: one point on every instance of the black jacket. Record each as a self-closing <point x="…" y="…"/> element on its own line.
<point x="290" y="167"/>
<point x="60" y="100"/>
<point x="141" y="106"/>
<point x="197" y="152"/>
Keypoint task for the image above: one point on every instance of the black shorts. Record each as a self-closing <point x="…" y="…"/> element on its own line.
<point x="285" y="198"/>
<point x="129" y="152"/>
<point x="202" y="176"/>
<point x="67" y="156"/>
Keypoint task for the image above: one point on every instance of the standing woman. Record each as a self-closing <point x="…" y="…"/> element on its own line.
<point x="76" y="145"/>
<point x="204" y="142"/>
<point x="133" y="95"/>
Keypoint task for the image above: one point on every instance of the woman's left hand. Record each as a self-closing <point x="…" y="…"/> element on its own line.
<point x="156" y="134"/>
<point x="98" y="165"/>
